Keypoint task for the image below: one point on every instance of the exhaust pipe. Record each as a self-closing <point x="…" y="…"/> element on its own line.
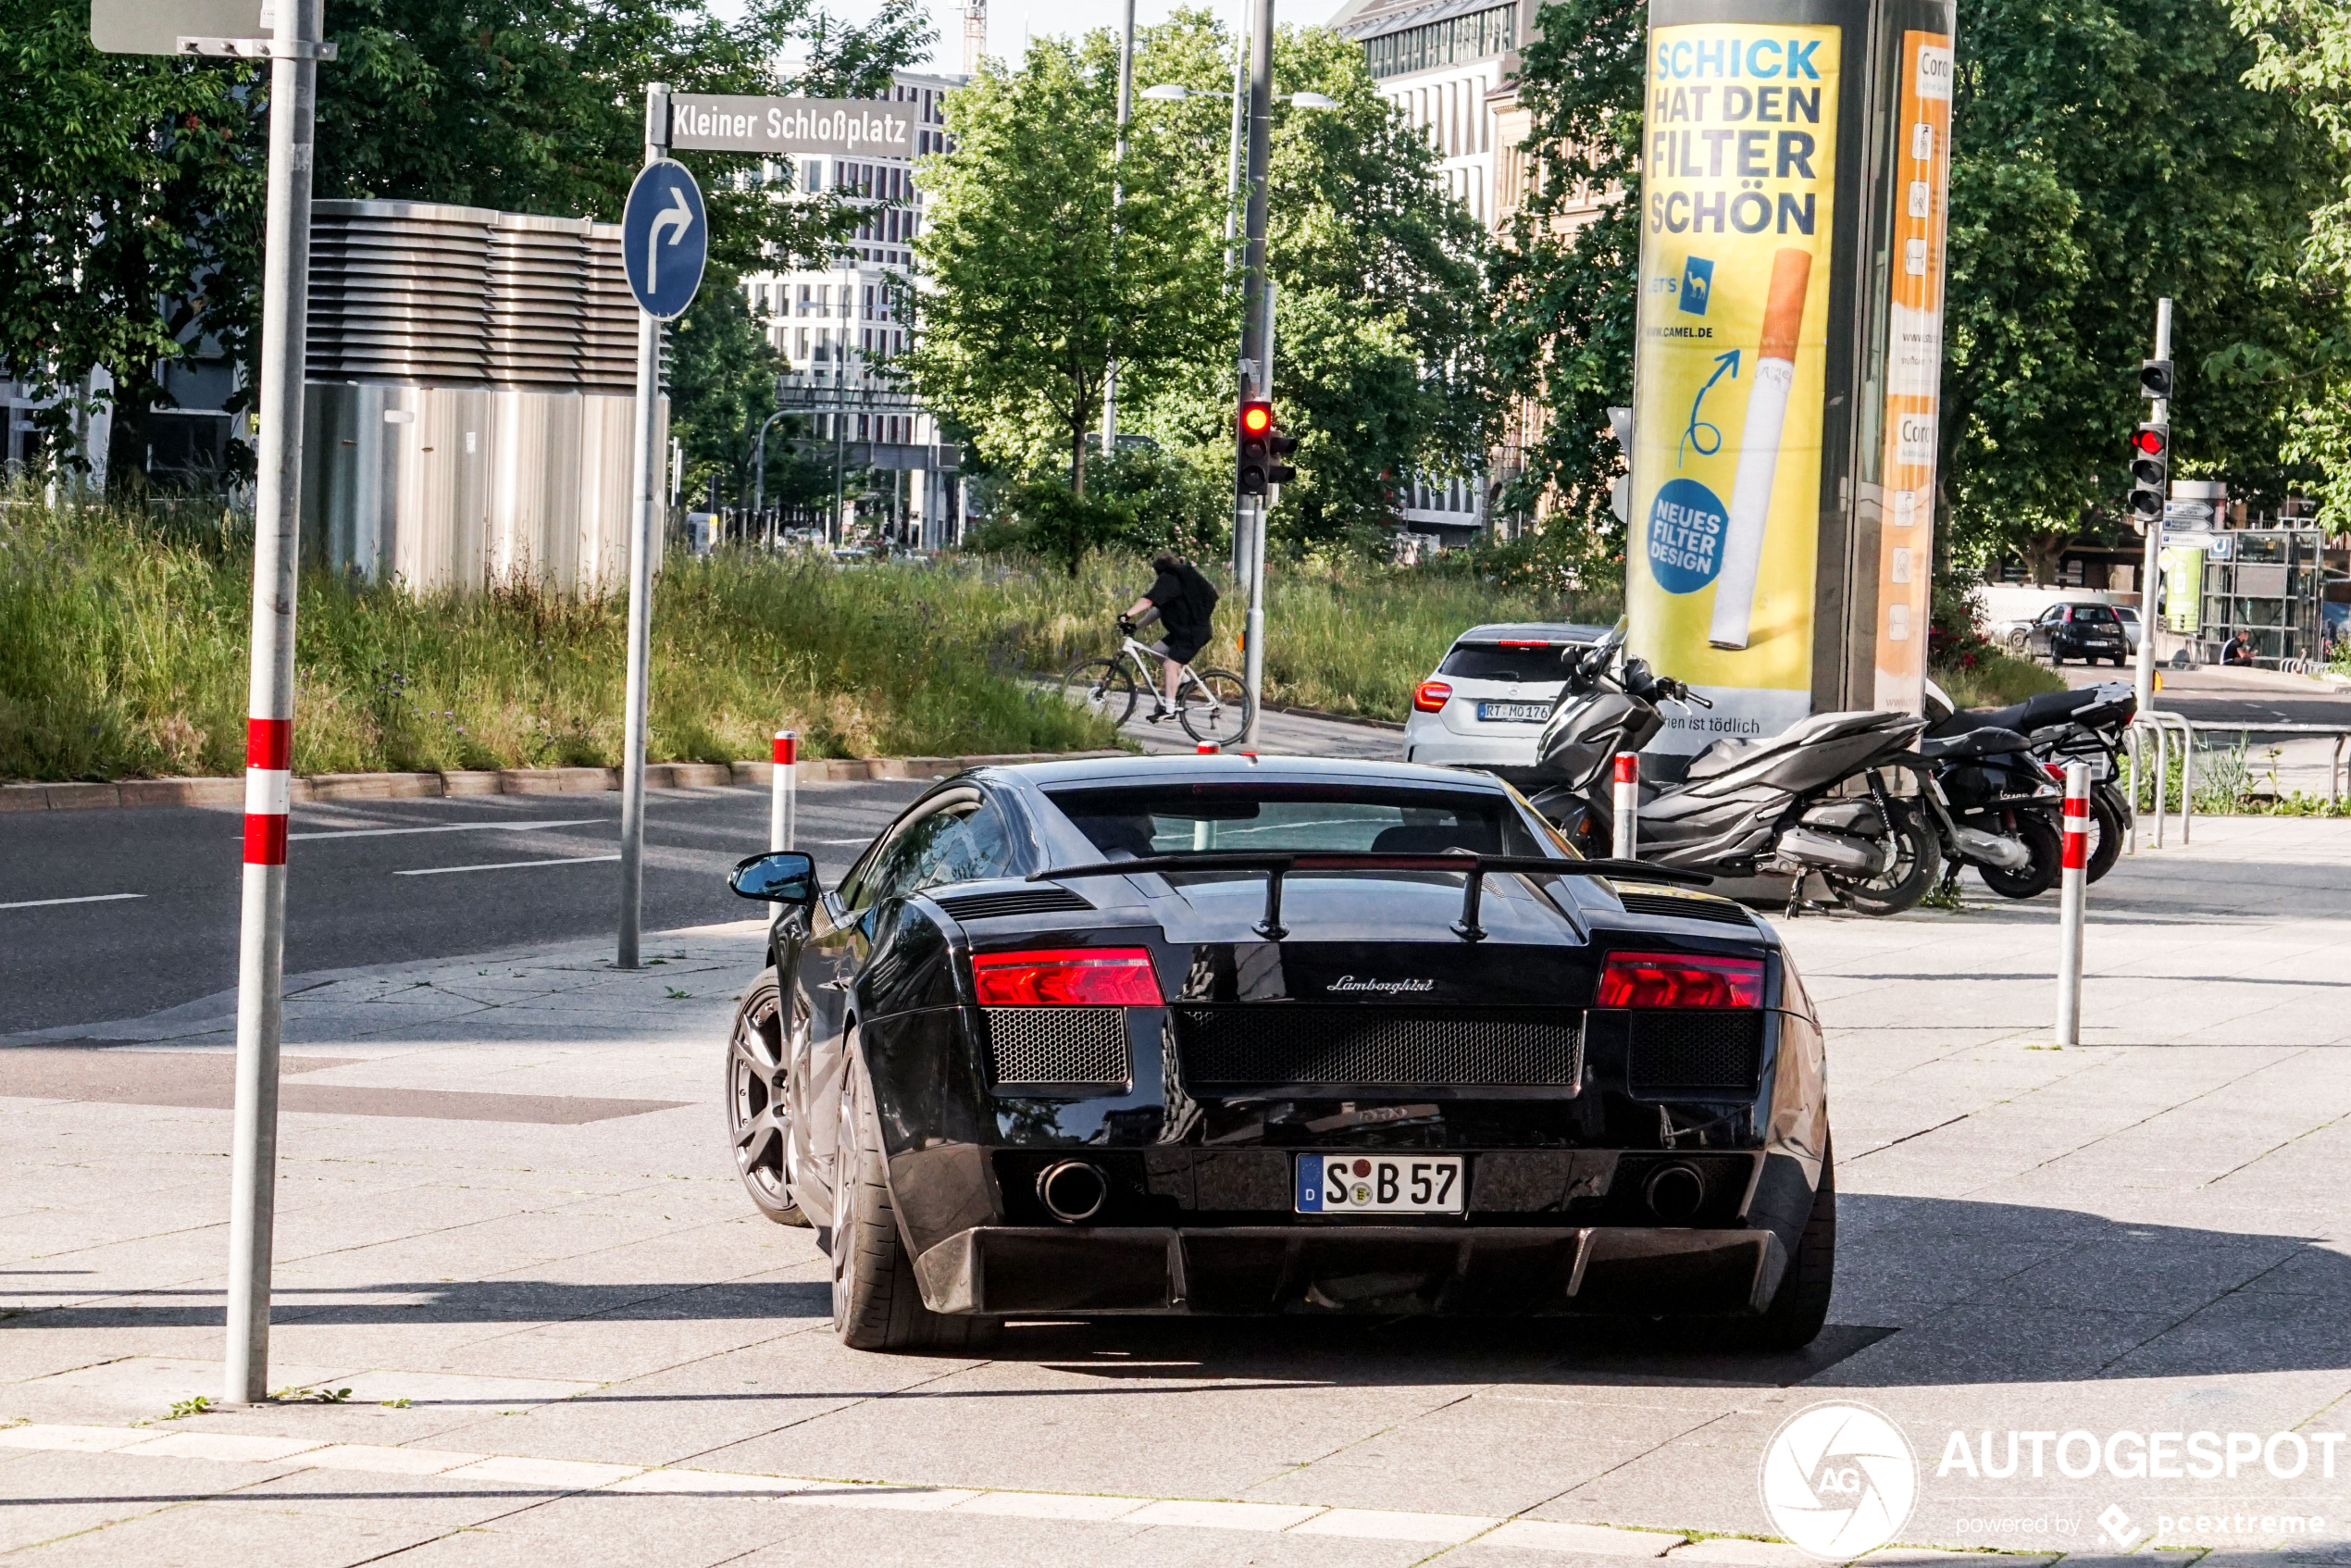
<point x="1991" y="849"/>
<point x="1674" y="1193"/>
<point x="1073" y="1192"/>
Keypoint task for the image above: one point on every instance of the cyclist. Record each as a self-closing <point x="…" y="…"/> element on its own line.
<point x="1185" y="604"/>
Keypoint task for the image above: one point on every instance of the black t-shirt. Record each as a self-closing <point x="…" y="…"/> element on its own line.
<point x="1185" y="601"/>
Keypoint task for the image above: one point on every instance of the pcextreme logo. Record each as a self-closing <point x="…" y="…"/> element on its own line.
<point x="1838" y="1480"/>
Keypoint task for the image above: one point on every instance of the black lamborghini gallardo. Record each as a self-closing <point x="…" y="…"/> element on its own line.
<point x="1236" y="1036"/>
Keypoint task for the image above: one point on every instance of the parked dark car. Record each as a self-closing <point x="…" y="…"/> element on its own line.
<point x="1222" y="1035"/>
<point x="2087" y="632"/>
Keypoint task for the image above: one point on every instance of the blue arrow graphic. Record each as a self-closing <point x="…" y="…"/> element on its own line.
<point x="1724" y="364"/>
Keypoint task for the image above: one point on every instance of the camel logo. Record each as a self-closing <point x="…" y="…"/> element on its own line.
<point x="1838" y="1480"/>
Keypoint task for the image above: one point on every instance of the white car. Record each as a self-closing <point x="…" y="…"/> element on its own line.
<point x="1486" y="703"/>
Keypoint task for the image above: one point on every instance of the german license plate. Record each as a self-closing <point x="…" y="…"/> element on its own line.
<point x="1514" y="713"/>
<point x="1380" y="1184"/>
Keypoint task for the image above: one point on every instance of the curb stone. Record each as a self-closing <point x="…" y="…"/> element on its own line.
<point x="503" y="781"/>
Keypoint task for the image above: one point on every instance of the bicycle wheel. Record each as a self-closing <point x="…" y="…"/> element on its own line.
<point x="1102" y="686"/>
<point x="1214" y="706"/>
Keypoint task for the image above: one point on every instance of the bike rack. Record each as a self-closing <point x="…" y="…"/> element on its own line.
<point x="2162" y="725"/>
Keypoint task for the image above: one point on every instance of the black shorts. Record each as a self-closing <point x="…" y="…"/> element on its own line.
<point x="1177" y="648"/>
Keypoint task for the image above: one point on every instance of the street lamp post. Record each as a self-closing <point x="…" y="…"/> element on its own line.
<point x="1118" y="162"/>
<point x="759" y="476"/>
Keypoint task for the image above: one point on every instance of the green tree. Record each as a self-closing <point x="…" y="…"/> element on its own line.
<point x="2104" y="155"/>
<point x="538" y="105"/>
<point x="1565" y="280"/>
<point x="1032" y="291"/>
<point x="1379" y="362"/>
<point x="130" y="198"/>
<point x="2303" y="58"/>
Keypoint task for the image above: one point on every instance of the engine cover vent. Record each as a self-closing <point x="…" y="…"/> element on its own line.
<point x="1687" y="909"/>
<point x="1024" y="901"/>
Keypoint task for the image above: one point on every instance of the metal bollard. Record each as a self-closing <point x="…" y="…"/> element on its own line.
<point x="1628" y="806"/>
<point x="783" y="799"/>
<point x="2073" y="882"/>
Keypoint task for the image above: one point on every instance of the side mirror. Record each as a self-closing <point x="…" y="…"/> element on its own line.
<point x="785" y="877"/>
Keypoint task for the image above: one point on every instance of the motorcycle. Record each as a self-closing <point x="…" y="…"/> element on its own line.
<point x="2003" y="809"/>
<point x="2088" y="723"/>
<point x="1813" y="800"/>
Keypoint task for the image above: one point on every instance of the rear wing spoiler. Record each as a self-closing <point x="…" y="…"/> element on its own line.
<point x="1475" y="867"/>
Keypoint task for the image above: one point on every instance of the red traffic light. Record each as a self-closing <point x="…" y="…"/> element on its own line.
<point x="1256" y="418"/>
<point x="2148" y="442"/>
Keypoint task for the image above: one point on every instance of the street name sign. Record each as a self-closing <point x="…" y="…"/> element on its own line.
<point x="155" y="27"/>
<point x="778" y="127"/>
<point x="665" y="239"/>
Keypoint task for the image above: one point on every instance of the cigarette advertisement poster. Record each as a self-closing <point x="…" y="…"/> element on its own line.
<point x="1738" y="178"/>
<point x="1914" y="369"/>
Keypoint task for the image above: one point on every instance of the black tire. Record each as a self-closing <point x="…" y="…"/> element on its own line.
<point x="1799" y="1307"/>
<point x="1102" y="686"/>
<point x="1224" y="723"/>
<point x="2108" y="825"/>
<point x="2037" y="875"/>
<point x="758" y="1119"/>
<point x="1918" y="861"/>
<point x="877" y="1305"/>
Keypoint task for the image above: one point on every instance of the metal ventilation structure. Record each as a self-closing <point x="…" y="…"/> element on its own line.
<point x="471" y="375"/>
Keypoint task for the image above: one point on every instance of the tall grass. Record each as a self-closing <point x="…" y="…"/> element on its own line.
<point x="123" y="652"/>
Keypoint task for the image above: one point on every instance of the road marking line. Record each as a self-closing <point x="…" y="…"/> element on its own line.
<point x="505" y="865"/>
<point x="457" y="828"/>
<point x="93" y="898"/>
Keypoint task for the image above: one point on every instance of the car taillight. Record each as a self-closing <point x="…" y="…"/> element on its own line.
<point x="1090" y="976"/>
<point x="1670" y="980"/>
<point x="1430" y="696"/>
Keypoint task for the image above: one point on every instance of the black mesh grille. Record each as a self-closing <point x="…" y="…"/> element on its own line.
<point x="1465" y="1048"/>
<point x="1024" y="901"/>
<point x="1698" y="1049"/>
<point x="1057" y="1045"/>
<point x="1719" y="910"/>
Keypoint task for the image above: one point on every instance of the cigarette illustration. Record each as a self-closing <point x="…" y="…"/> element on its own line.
<point x="1759" y="450"/>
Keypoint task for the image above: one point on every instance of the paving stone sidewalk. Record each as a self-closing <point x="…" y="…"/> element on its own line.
<point x="509" y="1226"/>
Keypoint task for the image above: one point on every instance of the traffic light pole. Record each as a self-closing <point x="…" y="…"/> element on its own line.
<point x="1256" y="347"/>
<point x="2151" y="570"/>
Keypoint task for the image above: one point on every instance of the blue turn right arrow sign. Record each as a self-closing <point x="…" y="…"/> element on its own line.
<point x="665" y="239"/>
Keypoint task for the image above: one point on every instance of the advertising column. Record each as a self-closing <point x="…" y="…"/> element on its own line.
<point x="1914" y="368"/>
<point x="1737" y="209"/>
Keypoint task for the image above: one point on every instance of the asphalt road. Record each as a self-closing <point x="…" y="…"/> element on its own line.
<point x="370" y="882"/>
<point x="2220" y="695"/>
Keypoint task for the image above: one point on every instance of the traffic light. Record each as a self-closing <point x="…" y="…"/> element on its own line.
<point x="1255" y="437"/>
<point x="1280" y="446"/>
<point x="2150" y="473"/>
<point x="2155" y="377"/>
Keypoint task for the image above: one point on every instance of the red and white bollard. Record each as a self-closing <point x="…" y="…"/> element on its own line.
<point x="783" y="797"/>
<point x="2073" y="883"/>
<point x="1626" y="806"/>
<point x="1206" y="748"/>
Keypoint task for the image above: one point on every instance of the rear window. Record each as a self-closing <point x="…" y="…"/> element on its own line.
<point x="1276" y="818"/>
<point x="1507" y="661"/>
<point x="2095" y="615"/>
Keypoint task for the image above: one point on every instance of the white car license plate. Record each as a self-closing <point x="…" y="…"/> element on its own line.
<point x="1381" y="1183"/>
<point x="1514" y="713"/>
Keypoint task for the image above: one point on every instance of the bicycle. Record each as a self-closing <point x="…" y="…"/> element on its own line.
<point x="1213" y="705"/>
